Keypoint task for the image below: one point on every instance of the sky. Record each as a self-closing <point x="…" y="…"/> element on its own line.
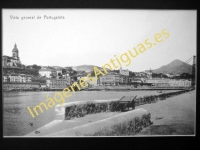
<point x="94" y="36"/>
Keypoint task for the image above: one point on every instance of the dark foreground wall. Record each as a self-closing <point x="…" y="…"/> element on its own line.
<point x="80" y="109"/>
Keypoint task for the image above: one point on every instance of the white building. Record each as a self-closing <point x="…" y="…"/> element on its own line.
<point x="123" y="72"/>
<point x="15" y="77"/>
<point x="169" y="75"/>
<point x="45" y="72"/>
<point x="169" y="82"/>
<point x="58" y="71"/>
<point x="149" y="73"/>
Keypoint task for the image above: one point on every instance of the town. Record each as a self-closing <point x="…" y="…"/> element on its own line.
<point x="18" y="77"/>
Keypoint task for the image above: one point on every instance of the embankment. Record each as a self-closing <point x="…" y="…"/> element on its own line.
<point x="80" y="109"/>
<point x="128" y="123"/>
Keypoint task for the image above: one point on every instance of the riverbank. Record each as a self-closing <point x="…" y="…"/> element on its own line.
<point x="174" y="116"/>
<point x="104" y="88"/>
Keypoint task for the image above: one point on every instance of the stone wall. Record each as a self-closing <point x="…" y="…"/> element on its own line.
<point x="124" y="124"/>
<point x="80" y="109"/>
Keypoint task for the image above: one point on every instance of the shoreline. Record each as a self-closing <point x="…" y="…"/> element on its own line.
<point x="106" y="88"/>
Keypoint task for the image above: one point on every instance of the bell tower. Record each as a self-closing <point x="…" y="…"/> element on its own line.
<point x="15" y="52"/>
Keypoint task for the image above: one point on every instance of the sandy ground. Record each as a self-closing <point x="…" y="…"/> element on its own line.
<point x="173" y="116"/>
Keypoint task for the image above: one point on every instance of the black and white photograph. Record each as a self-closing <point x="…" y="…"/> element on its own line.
<point x="99" y="72"/>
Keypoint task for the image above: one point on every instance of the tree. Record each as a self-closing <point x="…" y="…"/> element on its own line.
<point x="34" y="66"/>
<point x="59" y="75"/>
<point x="131" y="74"/>
<point x="73" y="73"/>
<point x="185" y="76"/>
<point x="63" y="71"/>
<point x="164" y="76"/>
<point x="53" y="75"/>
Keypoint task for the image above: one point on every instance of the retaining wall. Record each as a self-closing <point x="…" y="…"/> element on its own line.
<point x="128" y="123"/>
<point x="80" y="109"/>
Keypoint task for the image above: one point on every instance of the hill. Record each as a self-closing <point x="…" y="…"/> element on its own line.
<point x="86" y="68"/>
<point x="172" y="66"/>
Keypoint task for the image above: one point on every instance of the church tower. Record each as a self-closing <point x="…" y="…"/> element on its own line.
<point x="120" y="70"/>
<point x="15" y="52"/>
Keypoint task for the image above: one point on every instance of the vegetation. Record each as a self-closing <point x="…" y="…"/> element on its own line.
<point x="130" y="127"/>
<point x="92" y="107"/>
<point x="30" y="70"/>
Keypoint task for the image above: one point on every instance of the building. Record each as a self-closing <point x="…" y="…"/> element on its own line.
<point x="124" y="79"/>
<point x="14" y="61"/>
<point x="46" y="72"/>
<point x="21" y="85"/>
<point x="16" y="77"/>
<point x="5" y="78"/>
<point x="169" y="82"/>
<point x="169" y="75"/>
<point x="28" y="78"/>
<point x="23" y="78"/>
<point x="58" y="71"/>
<point x="141" y="74"/>
<point x="88" y="81"/>
<point x="123" y="72"/>
<point x="42" y="80"/>
<point x="112" y="78"/>
<point x="83" y="75"/>
<point x="57" y="83"/>
<point x="149" y="73"/>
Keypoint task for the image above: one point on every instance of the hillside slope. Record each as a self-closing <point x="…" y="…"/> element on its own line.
<point x="186" y="68"/>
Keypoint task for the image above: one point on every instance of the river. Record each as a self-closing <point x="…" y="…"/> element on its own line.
<point x="17" y="121"/>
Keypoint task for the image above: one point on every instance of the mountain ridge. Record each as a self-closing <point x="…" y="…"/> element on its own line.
<point x="174" y="67"/>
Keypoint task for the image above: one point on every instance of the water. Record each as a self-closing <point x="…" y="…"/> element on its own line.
<point x="17" y="118"/>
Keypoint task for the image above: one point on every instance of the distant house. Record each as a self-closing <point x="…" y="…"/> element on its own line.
<point x="141" y="74"/>
<point x="45" y="72"/>
<point x="28" y="78"/>
<point x="123" y="72"/>
<point x="149" y="73"/>
<point x="58" y="71"/>
<point x="41" y="80"/>
<point x="23" y="78"/>
<point x="169" y="75"/>
<point x="57" y="83"/>
<point x="6" y="78"/>
<point x="16" y="77"/>
<point x="112" y="78"/>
